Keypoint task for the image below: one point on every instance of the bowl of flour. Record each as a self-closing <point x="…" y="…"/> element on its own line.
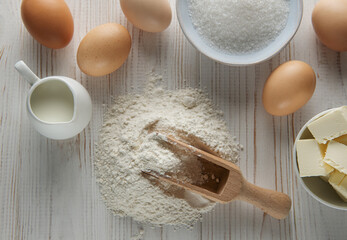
<point x="128" y="145"/>
<point x="238" y="32"/>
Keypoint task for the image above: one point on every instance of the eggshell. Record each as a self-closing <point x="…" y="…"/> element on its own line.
<point x="104" y="49"/>
<point x="148" y="15"/>
<point x="329" y="19"/>
<point x="288" y="88"/>
<point x="48" y="21"/>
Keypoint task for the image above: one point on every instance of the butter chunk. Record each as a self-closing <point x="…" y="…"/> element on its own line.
<point x="336" y="156"/>
<point x="340" y="188"/>
<point x="336" y="177"/>
<point x="330" y="126"/>
<point x="329" y="169"/>
<point x="310" y="159"/>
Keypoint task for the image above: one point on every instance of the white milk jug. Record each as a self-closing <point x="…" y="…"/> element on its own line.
<point x="58" y="107"/>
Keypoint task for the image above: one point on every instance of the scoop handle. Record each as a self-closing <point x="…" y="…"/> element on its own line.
<point x="276" y="204"/>
<point x="26" y="72"/>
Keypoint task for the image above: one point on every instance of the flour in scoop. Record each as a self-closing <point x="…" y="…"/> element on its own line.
<point x="129" y="144"/>
<point x="239" y="26"/>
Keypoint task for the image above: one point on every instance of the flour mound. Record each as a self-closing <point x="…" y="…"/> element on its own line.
<point x="128" y="145"/>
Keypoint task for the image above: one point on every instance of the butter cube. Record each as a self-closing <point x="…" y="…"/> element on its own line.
<point x="336" y="156"/>
<point x="336" y="177"/>
<point x="330" y="126"/>
<point x="310" y="158"/>
<point x="342" y="139"/>
<point x="339" y="182"/>
<point x="328" y="170"/>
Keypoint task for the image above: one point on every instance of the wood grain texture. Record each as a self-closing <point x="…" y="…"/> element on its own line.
<point x="48" y="189"/>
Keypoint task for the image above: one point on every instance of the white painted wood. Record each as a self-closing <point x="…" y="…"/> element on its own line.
<point x="47" y="188"/>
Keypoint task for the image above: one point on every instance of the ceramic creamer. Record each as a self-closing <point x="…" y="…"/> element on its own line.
<point x="58" y="107"/>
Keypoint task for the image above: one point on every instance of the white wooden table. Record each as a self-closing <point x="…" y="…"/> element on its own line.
<point x="48" y="189"/>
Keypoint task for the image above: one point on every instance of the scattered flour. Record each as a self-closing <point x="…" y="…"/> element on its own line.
<point x="139" y="235"/>
<point x="239" y="26"/>
<point x="128" y="144"/>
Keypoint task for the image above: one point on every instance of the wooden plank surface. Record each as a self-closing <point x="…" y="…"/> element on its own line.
<point x="48" y="189"/>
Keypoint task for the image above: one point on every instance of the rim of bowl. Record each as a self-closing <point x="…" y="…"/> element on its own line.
<point x="232" y="63"/>
<point x="296" y="168"/>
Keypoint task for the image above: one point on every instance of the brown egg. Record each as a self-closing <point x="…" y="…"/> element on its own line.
<point x="48" y="21"/>
<point x="288" y="88"/>
<point x="104" y="49"/>
<point x="329" y="19"/>
<point x="148" y="15"/>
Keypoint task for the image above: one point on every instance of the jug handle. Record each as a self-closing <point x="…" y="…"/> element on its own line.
<point x="26" y="72"/>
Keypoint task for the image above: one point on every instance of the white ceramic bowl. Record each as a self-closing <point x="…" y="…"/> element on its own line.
<point x="315" y="186"/>
<point x="293" y="23"/>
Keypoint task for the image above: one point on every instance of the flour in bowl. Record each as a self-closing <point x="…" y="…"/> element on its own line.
<point x="128" y="144"/>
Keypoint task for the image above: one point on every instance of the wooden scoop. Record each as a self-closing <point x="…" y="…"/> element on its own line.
<point x="231" y="186"/>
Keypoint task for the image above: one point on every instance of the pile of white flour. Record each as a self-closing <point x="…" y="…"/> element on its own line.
<point x="128" y="145"/>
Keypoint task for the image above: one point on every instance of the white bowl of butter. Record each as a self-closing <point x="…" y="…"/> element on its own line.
<point x="320" y="159"/>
